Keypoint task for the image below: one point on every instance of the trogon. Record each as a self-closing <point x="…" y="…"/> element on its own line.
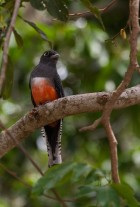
<point x="46" y="86"/>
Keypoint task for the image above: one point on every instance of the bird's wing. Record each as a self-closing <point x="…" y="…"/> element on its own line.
<point x="58" y="86"/>
<point x="33" y="102"/>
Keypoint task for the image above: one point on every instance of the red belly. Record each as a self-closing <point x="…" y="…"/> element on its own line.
<point x="43" y="92"/>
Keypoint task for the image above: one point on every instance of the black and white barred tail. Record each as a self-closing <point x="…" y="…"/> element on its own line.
<point x="52" y="135"/>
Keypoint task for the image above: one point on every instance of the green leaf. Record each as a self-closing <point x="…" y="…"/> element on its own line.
<point x="94" y="176"/>
<point x="94" y="10"/>
<point x="126" y="192"/>
<point x="52" y="177"/>
<point x="4" y="16"/>
<point x="7" y="88"/>
<point x="9" y="5"/>
<point x="38" y="30"/>
<point x="1" y="2"/>
<point x="58" y="9"/>
<point x="85" y="190"/>
<point x="106" y="196"/>
<point x="18" y="39"/>
<point x="38" y="4"/>
<point x="80" y="170"/>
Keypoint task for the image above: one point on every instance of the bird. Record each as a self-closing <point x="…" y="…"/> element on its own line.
<point x="46" y="86"/>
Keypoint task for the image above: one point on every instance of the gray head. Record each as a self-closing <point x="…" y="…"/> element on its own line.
<point x="49" y="56"/>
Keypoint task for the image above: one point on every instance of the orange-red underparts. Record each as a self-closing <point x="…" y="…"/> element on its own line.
<point x="43" y="92"/>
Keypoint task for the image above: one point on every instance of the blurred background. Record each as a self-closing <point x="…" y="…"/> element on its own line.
<point x="88" y="63"/>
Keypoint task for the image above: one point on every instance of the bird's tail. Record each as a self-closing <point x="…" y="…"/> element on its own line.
<point x="52" y="134"/>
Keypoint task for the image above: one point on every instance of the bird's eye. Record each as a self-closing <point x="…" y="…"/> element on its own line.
<point x="46" y="54"/>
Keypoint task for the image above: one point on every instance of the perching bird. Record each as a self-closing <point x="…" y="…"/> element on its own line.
<point x="46" y="86"/>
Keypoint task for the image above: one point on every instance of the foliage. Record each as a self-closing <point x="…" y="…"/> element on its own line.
<point x="88" y="183"/>
<point x="88" y="63"/>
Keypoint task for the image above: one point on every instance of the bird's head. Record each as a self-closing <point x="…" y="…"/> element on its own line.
<point x="49" y="56"/>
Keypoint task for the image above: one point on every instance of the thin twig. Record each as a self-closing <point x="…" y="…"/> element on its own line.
<point x="116" y="35"/>
<point x="6" y="45"/>
<point x="22" y="149"/>
<point x="64" y="200"/>
<point x="86" y="13"/>
<point x="113" y="152"/>
<point x="59" y="198"/>
<point x="80" y="14"/>
<point x="92" y="126"/>
<point x="15" y="175"/>
<point x="108" y="6"/>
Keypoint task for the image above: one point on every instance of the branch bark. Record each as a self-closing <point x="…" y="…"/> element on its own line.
<point x="61" y="108"/>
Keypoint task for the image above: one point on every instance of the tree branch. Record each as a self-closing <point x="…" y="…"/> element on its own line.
<point x="6" y="45"/>
<point x="133" y="58"/>
<point x="113" y="151"/>
<point x="134" y="23"/>
<point x="61" y="108"/>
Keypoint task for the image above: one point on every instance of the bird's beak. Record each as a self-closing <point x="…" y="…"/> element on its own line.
<point x="56" y="56"/>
